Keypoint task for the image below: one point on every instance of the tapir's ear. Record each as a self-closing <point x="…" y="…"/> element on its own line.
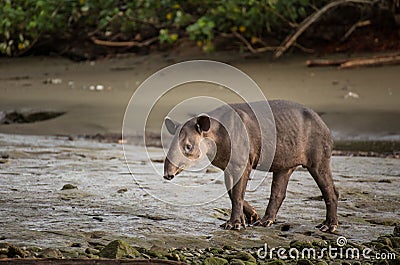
<point x="171" y="125"/>
<point x="203" y="123"/>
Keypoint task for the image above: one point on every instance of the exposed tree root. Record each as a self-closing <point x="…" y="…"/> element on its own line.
<point x="291" y="39"/>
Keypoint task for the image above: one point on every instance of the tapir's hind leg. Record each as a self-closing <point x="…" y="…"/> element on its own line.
<point x="278" y="193"/>
<point x="321" y="172"/>
<point x="250" y="213"/>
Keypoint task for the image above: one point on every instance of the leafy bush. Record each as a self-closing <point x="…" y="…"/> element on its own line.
<point x="24" y="22"/>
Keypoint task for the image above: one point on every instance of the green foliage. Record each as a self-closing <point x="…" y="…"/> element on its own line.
<point x="165" y="36"/>
<point x="23" y="22"/>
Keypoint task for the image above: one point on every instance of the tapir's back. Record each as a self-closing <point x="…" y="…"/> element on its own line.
<point x="302" y="136"/>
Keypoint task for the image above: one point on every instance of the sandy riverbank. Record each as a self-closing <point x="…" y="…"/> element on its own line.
<point x="106" y="203"/>
<point x="26" y="83"/>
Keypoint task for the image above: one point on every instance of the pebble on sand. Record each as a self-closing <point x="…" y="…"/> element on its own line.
<point x="118" y="249"/>
<point x="69" y="187"/>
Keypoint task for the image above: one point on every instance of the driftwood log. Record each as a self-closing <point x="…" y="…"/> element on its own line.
<point x="124" y="43"/>
<point x="395" y="59"/>
<point x="356" y="62"/>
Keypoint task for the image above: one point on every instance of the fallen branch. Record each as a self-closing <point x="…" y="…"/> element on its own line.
<point x="359" y="24"/>
<point x="356" y="62"/>
<point x="291" y="39"/>
<point x="302" y="48"/>
<point x="371" y="62"/>
<point x="325" y="62"/>
<point x="124" y="43"/>
<point x="250" y="47"/>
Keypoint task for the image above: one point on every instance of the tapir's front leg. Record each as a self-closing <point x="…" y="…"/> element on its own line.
<point x="278" y="193"/>
<point x="236" y="194"/>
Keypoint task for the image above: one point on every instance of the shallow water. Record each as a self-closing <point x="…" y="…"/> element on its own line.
<point x="109" y="204"/>
<point x="24" y="84"/>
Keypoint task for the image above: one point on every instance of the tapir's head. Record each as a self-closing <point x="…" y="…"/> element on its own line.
<point x="188" y="146"/>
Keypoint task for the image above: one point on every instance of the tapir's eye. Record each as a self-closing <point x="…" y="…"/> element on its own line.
<point x="188" y="147"/>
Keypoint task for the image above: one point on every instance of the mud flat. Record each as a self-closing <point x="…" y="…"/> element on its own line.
<point x="75" y="195"/>
<point x="358" y="104"/>
<point x="64" y="196"/>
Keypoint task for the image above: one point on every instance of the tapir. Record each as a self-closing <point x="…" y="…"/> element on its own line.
<point x="301" y="139"/>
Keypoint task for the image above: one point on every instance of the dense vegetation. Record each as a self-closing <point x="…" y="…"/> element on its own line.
<point x="25" y="23"/>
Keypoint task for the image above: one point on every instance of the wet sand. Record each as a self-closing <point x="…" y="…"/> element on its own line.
<point x="109" y="204"/>
<point x="24" y="85"/>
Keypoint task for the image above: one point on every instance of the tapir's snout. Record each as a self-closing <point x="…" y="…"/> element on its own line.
<point x="169" y="177"/>
<point x="170" y="170"/>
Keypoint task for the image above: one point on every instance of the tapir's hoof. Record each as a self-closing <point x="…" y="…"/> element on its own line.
<point x="325" y="227"/>
<point x="264" y="222"/>
<point x="236" y="226"/>
<point x="252" y="218"/>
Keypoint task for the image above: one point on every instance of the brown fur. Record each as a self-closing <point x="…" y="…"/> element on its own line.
<point x="302" y="139"/>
